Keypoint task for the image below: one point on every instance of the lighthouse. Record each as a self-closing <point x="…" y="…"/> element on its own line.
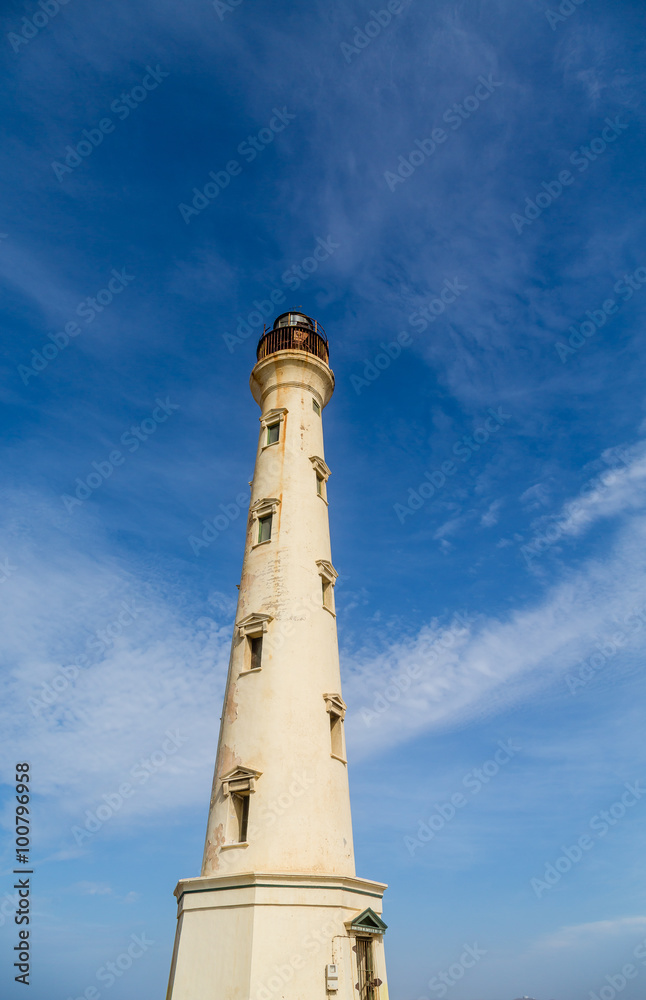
<point x="278" y="910"/>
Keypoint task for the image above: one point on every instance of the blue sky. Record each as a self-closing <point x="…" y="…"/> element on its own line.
<point x="501" y="602"/>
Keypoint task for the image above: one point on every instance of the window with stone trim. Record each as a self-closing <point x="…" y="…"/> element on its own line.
<point x="335" y="707"/>
<point x="238" y="786"/>
<point x="255" y="652"/>
<point x="270" y="423"/>
<point x="328" y="576"/>
<point x="322" y="474"/>
<point x="252" y="630"/>
<point x="264" y="528"/>
<point x="336" y="735"/>
<point x="239" y="815"/>
<point x="328" y="594"/>
<point x="262" y="512"/>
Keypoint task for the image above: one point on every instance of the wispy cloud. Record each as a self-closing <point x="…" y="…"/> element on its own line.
<point x="619" y="489"/>
<point x="583" y="935"/>
<point x="129" y="686"/>
<point x="494" y="662"/>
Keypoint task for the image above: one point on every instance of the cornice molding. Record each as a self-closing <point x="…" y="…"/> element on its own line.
<point x="327" y="571"/>
<point x="254" y="624"/>
<point x="320" y="467"/>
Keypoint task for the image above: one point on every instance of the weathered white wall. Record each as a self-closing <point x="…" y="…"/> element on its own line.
<point x="275" y="720"/>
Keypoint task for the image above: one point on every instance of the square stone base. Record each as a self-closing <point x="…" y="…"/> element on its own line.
<point x="271" y="937"/>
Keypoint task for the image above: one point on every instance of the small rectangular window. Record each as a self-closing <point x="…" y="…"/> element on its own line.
<point x="319" y="484"/>
<point x="273" y="433"/>
<point x="328" y="594"/>
<point x="264" y="528"/>
<point x="316" y="407"/>
<point x="241" y="814"/>
<point x="336" y="735"/>
<point x="255" y="649"/>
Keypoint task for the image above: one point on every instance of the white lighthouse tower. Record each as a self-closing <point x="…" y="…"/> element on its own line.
<point x="278" y="911"/>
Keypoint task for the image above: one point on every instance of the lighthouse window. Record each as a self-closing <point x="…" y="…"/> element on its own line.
<point x="240" y="805"/>
<point x="316" y="407"/>
<point x="336" y="735"/>
<point x="264" y="528"/>
<point x="322" y="474"/>
<point x="335" y="706"/>
<point x="273" y="433"/>
<point x="255" y="650"/>
<point x="328" y="576"/>
<point x="328" y="594"/>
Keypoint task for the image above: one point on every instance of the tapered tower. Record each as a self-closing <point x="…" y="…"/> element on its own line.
<point x="278" y="911"/>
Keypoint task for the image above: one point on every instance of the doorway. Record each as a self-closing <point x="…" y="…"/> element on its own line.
<point x="368" y="983"/>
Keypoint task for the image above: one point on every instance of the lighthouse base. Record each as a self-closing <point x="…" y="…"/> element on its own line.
<point x="278" y="937"/>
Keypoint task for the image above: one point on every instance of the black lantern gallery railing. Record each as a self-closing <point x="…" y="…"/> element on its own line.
<point x="294" y="332"/>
